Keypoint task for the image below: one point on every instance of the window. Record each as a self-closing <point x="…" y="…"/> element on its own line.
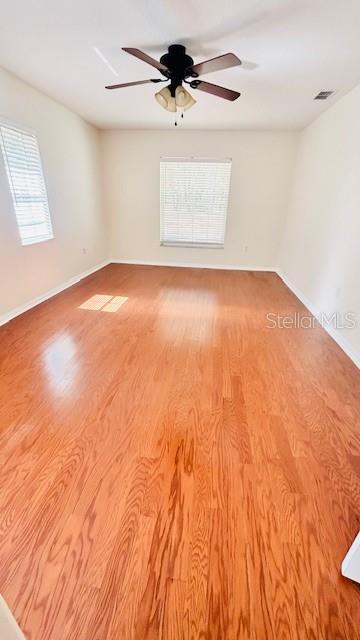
<point x="23" y="166"/>
<point x="194" y="195"/>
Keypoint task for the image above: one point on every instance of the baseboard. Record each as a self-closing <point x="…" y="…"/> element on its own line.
<point x="299" y="294"/>
<point x="69" y="283"/>
<point x="350" y="567"/>
<point x="195" y="265"/>
<point x="342" y="342"/>
<point x="335" y="335"/>
<point x="49" y="294"/>
<point x="9" y="629"/>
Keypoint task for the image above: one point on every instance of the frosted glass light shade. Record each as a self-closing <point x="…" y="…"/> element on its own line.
<point x="165" y="99"/>
<point x="181" y="96"/>
<point x="190" y="103"/>
<point x="163" y="96"/>
<point x="171" y="105"/>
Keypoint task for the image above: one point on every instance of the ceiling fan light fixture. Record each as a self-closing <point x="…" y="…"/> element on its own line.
<point x="163" y="96"/>
<point x="190" y="103"/>
<point x="182" y="97"/>
<point x="165" y="99"/>
<point x="171" y="105"/>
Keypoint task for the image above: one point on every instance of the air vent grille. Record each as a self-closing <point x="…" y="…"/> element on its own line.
<point x="324" y="95"/>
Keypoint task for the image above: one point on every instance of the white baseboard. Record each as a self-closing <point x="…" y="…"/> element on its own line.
<point x="299" y="294"/>
<point x="334" y="333"/>
<point x="49" y="294"/>
<point x="6" y="317"/>
<point x="190" y="265"/>
<point x="350" y="567"/>
<point x="9" y="629"/>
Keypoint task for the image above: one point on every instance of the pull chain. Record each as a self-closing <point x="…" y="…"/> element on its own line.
<point x="181" y="116"/>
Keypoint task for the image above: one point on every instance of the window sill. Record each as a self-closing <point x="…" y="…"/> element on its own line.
<point x="37" y="241"/>
<point x="192" y="245"/>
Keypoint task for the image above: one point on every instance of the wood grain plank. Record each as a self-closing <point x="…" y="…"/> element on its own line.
<point x="176" y="469"/>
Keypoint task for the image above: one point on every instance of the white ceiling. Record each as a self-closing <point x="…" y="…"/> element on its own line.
<point x="297" y="48"/>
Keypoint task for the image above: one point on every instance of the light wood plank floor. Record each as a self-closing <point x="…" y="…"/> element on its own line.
<point x="171" y="468"/>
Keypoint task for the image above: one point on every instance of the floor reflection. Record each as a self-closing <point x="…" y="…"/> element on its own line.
<point x="188" y="313"/>
<point x="61" y="364"/>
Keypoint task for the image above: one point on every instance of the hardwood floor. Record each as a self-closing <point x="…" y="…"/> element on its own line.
<point x="175" y="469"/>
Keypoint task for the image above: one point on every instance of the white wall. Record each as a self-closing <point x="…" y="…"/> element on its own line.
<point x="320" y="253"/>
<point x="261" y="177"/>
<point x="70" y="156"/>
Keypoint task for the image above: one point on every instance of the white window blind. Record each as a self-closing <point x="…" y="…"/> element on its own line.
<point x="23" y="166"/>
<point x="194" y="195"/>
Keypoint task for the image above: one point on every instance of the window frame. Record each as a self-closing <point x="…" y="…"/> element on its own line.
<point x="11" y="124"/>
<point x="186" y="243"/>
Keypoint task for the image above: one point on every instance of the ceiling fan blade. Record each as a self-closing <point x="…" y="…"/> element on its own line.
<point x="215" y="90"/>
<point x="216" y="64"/>
<point x="145" y="58"/>
<point x="132" y="84"/>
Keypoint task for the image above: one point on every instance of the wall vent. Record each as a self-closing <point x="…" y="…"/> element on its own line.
<point x="324" y="95"/>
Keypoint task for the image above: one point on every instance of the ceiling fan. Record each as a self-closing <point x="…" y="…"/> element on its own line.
<point x="179" y="68"/>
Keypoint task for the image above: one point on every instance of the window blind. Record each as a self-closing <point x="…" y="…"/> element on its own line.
<point x="24" y="171"/>
<point x="194" y="195"/>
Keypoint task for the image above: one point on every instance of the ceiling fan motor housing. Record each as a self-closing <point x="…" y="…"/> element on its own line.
<point x="179" y="64"/>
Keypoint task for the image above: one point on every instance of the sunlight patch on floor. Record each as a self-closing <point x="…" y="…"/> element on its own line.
<point x="114" y="304"/>
<point x="100" y="302"/>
